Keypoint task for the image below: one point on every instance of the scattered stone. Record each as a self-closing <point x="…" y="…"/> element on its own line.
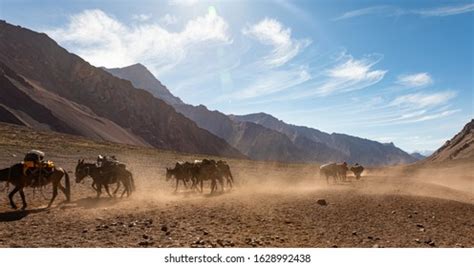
<point x="409" y="216"/>
<point x="354" y="232"/>
<point x="420" y="225"/>
<point x="288" y="222"/>
<point x="393" y="211"/>
<point x="205" y="232"/>
<point x="145" y="236"/>
<point x="376" y="246"/>
<point x="334" y="246"/>
<point x="164" y="228"/>
<point x="132" y="224"/>
<point x="322" y="202"/>
<point x="417" y="240"/>
<point x="370" y="237"/>
<point x="146" y="243"/>
<point x="85" y="231"/>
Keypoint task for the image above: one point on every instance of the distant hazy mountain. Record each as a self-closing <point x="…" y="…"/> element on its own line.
<point x="50" y="87"/>
<point x="461" y="146"/>
<point x="350" y="148"/>
<point x="417" y="155"/>
<point x="263" y="137"/>
<point x="142" y="78"/>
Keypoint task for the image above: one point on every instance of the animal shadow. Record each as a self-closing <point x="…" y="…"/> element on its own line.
<point x="10" y="216"/>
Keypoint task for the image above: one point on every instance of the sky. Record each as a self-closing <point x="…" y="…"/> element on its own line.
<point x="391" y="71"/>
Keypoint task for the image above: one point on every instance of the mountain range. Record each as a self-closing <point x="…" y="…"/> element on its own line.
<point x="48" y="87"/>
<point x="263" y="137"/>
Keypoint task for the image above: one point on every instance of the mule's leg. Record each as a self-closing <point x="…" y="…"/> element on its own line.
<point x="55" y="193"/>
<point x="10" y="196"/>
<point x="106" y="186"/>
<point x="99" y="190"/>
<point x="116" y="189"/>
<point x="221" y="181"/>
<point x="22" y="194"/>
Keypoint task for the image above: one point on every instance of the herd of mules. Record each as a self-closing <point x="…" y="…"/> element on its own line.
<point x="194" y="173"/>
<point x="338" y="171"/>
<point x="199" y="171"/>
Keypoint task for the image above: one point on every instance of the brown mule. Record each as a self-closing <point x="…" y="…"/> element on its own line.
<point x="15" y="176"/>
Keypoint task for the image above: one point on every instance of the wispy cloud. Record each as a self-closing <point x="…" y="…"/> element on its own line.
<point x="374" y="10"/>
<point x="349" y="74"/>
<point x="415" y="80"/>
<point x="104" y="41"/>
<point x="389" y="11"/>
<point x="271" y="32"/>
<point x="445" y="11"/>
<point x="270" y="82"/>
<point x="421" y="100"/>
<point x="168" y="19"/>
<point x="141" y="17"/>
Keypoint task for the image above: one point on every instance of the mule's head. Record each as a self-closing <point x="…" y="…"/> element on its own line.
<point x="81" y="171"/>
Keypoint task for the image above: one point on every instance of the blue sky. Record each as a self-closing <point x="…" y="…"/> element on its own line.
<point x="392" y="71"/>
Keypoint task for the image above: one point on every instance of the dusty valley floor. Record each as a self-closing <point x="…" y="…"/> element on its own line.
<point x="271" y="205"/>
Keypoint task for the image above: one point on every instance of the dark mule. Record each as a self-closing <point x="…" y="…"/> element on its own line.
<point x="15" y="176"/>
<point x="357" y="170"/>
<point x="101" y="179"/>
<point x="207" y="170"/>
<point x="181" y="172"/>
<point x="337" y="171"/>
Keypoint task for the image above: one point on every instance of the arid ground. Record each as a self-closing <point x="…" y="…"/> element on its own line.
<point x="271" y="204"/>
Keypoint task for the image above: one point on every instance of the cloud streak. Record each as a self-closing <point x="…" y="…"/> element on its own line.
<point x="415" y="80"/>
<point x="272" y="33"/>
<point x="390" y="11"/>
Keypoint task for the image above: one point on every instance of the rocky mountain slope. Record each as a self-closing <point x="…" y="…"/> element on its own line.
<point x="263" y="137"/>
<point x="61" y="76"/>
<point x="461" y="146"/>
<point x="350" y="148"/>
<point x="142" y="78"/>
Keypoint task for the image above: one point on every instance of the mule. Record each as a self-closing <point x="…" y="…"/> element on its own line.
<point x="116" y="175"/>
<point x="15" y="176"/>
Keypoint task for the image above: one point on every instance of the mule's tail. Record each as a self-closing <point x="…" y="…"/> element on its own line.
<point x="68" y="186"/>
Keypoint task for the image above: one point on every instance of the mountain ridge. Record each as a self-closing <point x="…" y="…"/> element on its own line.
<point x="43" y="62"/>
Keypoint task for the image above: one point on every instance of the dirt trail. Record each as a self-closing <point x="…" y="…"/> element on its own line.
<point x="272" y="205"/>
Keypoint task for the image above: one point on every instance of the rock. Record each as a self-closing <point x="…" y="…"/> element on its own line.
<point x="417" y="240"/>
<point x="376" y="246"/>
<point x="354" y="232"/>
<point x="420" y="225"/>
<point x="205" y="232"/>
<point x="145" y="236"/>
<point x="85" y="231"/>
<point x="164" y="228"/>
<point x="409" y="216"/>
<point x="322" y="202"/>
<point x="393" y="211"/>
<point x="146" y="243"/>
<point x="132" y="224"/>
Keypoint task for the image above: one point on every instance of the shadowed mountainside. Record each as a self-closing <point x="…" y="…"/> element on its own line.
<point x="42" y="62"/>
<point x="349" y="148"/>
